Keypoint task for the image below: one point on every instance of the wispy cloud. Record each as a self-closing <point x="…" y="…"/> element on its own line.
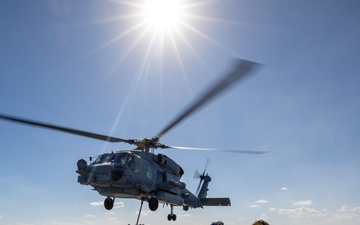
<point x="284" y="189"/>
<point x="302" y="212"/>
<point x="96" y="203"/>
<point x="119" y="205"/>
<point x="262" y="201"/>
<point x="346" y="208"/>
<point x="114" y="220"/>
<point x="258" y="203"/>
<point x="100" y="203"/>
<point x="303" y="203"/>
<point x="183" y="215"/>
<point x="346" y="214"/>
<point x="264" y="216"/>
<point x="143" y="213"/>
<point x="89" y="216"/>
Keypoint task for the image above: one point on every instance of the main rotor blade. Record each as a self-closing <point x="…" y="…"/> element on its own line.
<point x="206" y="165"/>
<point x="241" y="69"/>
<point x="63" y="129"/>
<point x="219" y="150"/>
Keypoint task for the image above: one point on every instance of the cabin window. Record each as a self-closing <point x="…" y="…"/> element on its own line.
<point x="134" y="163"/>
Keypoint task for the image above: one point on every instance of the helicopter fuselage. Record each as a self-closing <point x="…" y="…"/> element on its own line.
<point x="137" y="174"/>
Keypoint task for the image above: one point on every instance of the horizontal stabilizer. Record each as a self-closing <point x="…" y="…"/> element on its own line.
<point x="216" y="202"/>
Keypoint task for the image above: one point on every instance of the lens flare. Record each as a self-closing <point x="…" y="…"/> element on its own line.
<point x="163" y="14"/>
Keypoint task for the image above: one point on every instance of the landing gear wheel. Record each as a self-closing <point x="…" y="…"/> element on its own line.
<point x="171" y="217"/>
<point x="153" y="204"/>
<point x="108" y="203"/>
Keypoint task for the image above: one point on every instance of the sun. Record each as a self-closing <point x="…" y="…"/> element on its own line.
<point x="163" y="15"/>
<point x="159" y="30"/>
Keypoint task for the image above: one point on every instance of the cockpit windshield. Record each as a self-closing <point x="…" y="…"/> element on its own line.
<point x="103" y="158"/>
<point x="117" y="158"/>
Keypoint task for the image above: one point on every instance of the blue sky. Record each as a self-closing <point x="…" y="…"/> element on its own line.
<point x="98" y="66"/>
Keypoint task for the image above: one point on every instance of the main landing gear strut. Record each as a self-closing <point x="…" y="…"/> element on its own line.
<point x="171" y="216"/>
<point x="153" y="205"/>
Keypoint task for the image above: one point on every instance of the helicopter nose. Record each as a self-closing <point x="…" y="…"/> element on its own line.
<point x="117" y="173"/>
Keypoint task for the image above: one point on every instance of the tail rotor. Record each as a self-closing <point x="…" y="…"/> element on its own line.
<point x="198" y="175"/>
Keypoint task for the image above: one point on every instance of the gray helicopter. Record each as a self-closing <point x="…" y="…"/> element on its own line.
<point x="140" y="173"/>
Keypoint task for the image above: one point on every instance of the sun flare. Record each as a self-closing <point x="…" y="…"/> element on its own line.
<point x="163" y="15"/>
<point x="160" y="29"/>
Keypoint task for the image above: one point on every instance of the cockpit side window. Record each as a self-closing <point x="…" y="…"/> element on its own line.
<point x="122" y="158"/>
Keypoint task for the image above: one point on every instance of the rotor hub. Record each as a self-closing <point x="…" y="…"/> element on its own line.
<point x="148" y="143"/>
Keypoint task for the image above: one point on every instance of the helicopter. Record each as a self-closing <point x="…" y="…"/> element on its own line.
<point x="140" y="173"/>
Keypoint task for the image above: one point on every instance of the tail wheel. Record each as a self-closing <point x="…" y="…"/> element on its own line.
<point x="171" y="217"/>
<point x="153" y="204"/>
